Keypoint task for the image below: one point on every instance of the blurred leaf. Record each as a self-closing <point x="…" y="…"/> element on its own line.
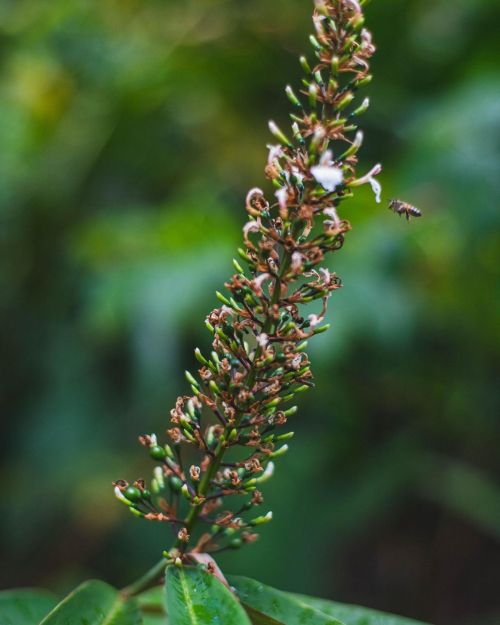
<point x="94" y="603"/>
<point x="355" y="615"/>
<point x="197" y="598"/>
<point x="467" y="491"/>
<point x="152" y="606"/>
<point x="267" y="605"/>
<point x="25" y="606"/>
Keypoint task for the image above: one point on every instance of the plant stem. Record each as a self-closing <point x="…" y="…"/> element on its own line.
<point x="146" y="581"/>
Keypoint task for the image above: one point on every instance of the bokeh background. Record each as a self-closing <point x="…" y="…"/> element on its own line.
<point x="130" y="132"/>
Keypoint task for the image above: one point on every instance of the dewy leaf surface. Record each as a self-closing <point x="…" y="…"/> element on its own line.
<point x="355" y="615"/>
<point x="25" y="606"/>
<point x="94" y="603"/>
<point x="280" y="607"/>
<point x="196" y="598"/>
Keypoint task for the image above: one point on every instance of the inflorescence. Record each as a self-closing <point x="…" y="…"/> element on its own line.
<point x="225" y="436"/>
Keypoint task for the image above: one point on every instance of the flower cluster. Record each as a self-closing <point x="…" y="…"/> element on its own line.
<point x="225" y="436"/>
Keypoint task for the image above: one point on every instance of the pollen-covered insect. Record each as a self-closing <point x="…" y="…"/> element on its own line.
<point x="403" y="208"/>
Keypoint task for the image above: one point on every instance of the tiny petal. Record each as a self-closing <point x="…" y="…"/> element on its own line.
<point x="251" y="226"/>
<point x="296" y="262"/>
<point x="326" y="158"/>
<point x="282" y="197"/>
<point x="358" y="141"/>
<point x="275" y="152"/>
<point x="354" y="4"/>
<point x="262" y="340"/>
<point x="314" y="321"/>
<point x="332" y="214"/>
<point x="121" y="497"/>
<point x="377" y="189"/>
<point x="253" y="192"/>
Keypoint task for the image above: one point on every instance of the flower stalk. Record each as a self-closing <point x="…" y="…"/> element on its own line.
<point x="226" y="434"/>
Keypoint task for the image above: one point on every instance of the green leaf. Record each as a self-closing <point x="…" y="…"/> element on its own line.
<point x="355" y="615"/>
<point x="25" y="606"/>
<point x="152" y="606"/>
<point x="196" y="598"/>
<point x="94" y="603"/>
<point x="268" y="606"/>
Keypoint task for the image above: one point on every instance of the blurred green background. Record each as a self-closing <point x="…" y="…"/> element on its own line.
<point x="130" y="132"/>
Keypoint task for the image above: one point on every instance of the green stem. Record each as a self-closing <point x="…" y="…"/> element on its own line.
<point x="148" y="580"/>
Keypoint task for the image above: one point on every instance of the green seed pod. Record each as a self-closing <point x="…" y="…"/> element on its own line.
<point x="132" y="493"/>
<point x="285" y="437"/>
<point x="175" y="483"/>
<point x="302" y="389"/>
<point x="236" y="543"/>
<point x="322" y="329"/>
<point x="157" y="452"/>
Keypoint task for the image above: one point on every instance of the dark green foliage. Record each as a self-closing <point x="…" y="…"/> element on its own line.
<point x="94" y="603"/>
<point x="25" y="606"/>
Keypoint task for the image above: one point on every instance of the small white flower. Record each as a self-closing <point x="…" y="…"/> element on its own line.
<point x="314" y="321"/>
<point x="262" y="340"/>
<point x="275" y="152"/>
<point x="326" y="275"/>
<point x="370" y="179"/>
<point x="296" y="262"/>
<point x="329" y="177"/>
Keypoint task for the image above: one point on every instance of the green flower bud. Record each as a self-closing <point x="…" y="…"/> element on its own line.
<point x="191" y="379"/>
<point x="199" y="356"/>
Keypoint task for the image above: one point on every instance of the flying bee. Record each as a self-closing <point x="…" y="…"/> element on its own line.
<point x="403" y="208"/>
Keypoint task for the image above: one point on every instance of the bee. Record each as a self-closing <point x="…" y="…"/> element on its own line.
<point x="403" y="208"/>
